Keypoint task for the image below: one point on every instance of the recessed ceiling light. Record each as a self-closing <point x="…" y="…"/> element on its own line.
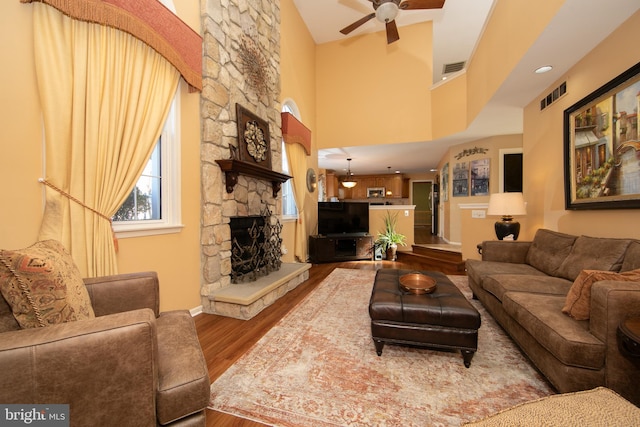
<point x="544" y="69"/>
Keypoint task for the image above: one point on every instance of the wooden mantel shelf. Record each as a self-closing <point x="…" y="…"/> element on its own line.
<point x="232" y="168"/>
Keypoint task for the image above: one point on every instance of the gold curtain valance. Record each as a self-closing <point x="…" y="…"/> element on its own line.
<point x="294" y="132"/>
<point x="147" y="20"/>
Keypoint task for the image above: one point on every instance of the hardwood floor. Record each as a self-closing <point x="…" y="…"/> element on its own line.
<point x="224" y="339"/>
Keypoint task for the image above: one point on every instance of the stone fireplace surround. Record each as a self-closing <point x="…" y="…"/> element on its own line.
<point x="241" y="64"/>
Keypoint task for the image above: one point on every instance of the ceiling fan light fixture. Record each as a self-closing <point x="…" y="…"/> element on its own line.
<point x="387" y="12"/>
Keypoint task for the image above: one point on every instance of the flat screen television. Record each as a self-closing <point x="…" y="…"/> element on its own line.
<point x="340" y="218"/>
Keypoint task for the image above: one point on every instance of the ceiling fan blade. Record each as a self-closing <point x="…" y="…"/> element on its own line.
<point x="349" y="28"/>
<point x="392" y="32"/>
<point x="422" y="4"/>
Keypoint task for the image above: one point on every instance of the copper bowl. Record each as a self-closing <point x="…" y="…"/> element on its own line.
<point x="417" y="283"/>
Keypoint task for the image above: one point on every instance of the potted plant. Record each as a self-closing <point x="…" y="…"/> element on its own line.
<point x="389" y="239"/>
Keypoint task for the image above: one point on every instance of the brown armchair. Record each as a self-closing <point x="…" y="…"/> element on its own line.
<point x="130" y="365"/>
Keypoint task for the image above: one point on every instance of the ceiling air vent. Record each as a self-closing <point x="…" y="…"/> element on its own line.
<point x="453" y="67"/>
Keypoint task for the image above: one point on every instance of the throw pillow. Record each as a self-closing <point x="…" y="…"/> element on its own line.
<point x="578" y="302"/>
<point x="43" y="285"/>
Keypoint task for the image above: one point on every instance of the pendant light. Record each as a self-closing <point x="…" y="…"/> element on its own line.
<point x="348" y="182"/>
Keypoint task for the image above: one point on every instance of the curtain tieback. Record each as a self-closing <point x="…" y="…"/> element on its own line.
<point x="70" y="197"/>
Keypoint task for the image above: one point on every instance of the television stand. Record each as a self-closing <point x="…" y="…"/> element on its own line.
<point x="336" y="248"/>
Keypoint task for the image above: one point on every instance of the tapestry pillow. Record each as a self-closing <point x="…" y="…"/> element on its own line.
<point x="631" y="257"/>
<point x="578" y="302"/>
<point x="548" y="250"/>
<point x="593" y="253"/>
<point x="43" y="285"/>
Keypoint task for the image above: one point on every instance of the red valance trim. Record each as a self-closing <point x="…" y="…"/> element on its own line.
<point x="147" y="20"/>
<point x="294" y="132"/>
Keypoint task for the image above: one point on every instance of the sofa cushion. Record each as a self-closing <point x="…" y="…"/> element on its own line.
<point x="183" y="380"/>
<point x="43" y="286"/>
<point x="567" y="339"/>
<point x="498" y="284"/>
<point x="548" y="250"/>
<point x="631" y="257"/>
<point x="478" y="270"/>
<point x="594" y="253"/>
<point x="578" y="302"/>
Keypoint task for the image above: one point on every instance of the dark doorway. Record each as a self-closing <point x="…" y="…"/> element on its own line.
<point x="513" y="173"/>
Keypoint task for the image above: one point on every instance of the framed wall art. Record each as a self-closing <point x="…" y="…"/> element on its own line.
<point x="460" y="186"/>
<point x="602" y="146"/>
<point x="444" y="190"/>
<point x="254" y="141"/>
<point x="480" y="173"/>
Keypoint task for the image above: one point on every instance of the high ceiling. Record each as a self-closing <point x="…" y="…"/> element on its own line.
<point x="578" y="27"/>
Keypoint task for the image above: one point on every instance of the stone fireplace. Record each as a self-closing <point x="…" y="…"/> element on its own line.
<point x="255" y="246"/>
<point x="241" y="65"/>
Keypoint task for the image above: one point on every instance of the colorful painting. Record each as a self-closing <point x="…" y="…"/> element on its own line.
<point x="602" y="146"/>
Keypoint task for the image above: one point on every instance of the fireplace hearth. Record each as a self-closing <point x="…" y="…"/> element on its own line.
<point x="255" y="246"/>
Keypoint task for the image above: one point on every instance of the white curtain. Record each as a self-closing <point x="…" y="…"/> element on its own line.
<point x="105" y="96"/>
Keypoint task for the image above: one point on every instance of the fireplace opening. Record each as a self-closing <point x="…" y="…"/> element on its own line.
<point x="255" y="246"/>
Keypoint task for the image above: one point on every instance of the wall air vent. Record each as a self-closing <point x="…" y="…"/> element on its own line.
<point x="453" y="67"/>
<point x="553" y="96"/>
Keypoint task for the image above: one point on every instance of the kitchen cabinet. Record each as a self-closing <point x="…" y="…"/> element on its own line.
<point x="397" y="184"/>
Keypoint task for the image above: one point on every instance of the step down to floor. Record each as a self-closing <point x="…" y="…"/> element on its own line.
<point x="447" y="261"/>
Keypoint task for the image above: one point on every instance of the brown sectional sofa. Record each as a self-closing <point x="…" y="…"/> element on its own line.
<point x="524" y="285"/>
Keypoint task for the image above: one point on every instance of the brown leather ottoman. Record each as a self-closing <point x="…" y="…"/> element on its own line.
<point x="443" y="319"/>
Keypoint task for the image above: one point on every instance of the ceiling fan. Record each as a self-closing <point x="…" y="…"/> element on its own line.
<point x="387" y="10"/>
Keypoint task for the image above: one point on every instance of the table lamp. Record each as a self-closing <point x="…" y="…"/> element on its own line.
<point x="507" y="205"/>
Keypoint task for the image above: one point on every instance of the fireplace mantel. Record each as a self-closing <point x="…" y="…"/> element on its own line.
<point x="233" y="167"/>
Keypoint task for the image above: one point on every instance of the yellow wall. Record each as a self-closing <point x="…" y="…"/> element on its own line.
<point x="369" y="92"/>
<point x="176" y="257"/>
<point x="512" y="28"/>
<point x="298" y="76"/>
<point x="543" y="144"/>
<point x="453" y="212"/>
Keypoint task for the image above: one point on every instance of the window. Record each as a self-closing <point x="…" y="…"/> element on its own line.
<point x="153" y="207"/>
<point x="289" y="209"/>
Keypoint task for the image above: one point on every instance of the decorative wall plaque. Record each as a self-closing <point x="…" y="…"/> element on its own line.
<point x="254" y="141"/>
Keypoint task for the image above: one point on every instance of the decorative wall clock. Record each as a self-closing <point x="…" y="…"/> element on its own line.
<point x="253" y="138"/>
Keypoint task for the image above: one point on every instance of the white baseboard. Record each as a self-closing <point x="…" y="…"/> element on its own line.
<point x="195" y="311"/>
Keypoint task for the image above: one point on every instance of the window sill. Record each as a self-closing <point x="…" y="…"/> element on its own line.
<point x="125" y="231"/>
<point x="289" y="218"/>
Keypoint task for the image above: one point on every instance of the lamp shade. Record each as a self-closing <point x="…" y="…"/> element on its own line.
<point x="506" y="204"/>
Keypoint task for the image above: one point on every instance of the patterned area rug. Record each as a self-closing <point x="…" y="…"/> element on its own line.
<point x="318" y="367"/>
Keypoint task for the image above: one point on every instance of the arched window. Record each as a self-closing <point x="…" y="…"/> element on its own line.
<point x="289" y="209"/>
